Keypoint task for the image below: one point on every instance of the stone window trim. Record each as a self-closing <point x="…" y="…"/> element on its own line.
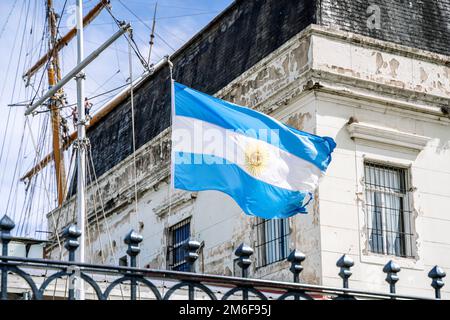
<point x="388" y="208"/>
<point x="374" y="133"/>
<point x="366" y="256"/>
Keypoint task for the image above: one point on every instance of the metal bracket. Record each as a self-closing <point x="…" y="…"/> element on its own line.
<point x="74" y="279"/>
<point x="81" y="143"/>
<point x="80" y="75"/>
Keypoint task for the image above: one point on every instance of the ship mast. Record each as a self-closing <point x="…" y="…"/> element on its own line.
<point x="54" y="75"/>
<point x="82" y="142"/>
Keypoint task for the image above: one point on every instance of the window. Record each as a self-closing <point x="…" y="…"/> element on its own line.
<point x="178" y="234"/>
<point x="273" y="237"/>
<point x="388" y="210"/>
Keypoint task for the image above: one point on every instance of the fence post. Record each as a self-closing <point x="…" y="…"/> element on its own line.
<point x="191" y="255"/>
<point x="345" y="263"/>
<point x="437" y="274"/>
<point x="133" y="239"/>
<point x="244" y="252"/>
<point x="6" y="225"/>
<point x="71" y="233"/>
<point x="391" y="269"/>
<point x="296" y="258"/>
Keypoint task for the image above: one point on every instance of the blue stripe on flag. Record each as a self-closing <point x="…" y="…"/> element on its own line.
<point x="198" y="105"/>
<point x="254" y="196"/>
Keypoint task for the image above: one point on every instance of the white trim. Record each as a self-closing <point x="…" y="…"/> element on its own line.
<point x="369" y="132"/>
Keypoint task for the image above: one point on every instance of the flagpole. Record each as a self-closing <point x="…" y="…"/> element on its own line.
<point x="172" y="107"/>
<point x="81" y="158"/>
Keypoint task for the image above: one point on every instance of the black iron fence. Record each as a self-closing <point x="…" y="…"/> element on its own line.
<point x="103" y="280"/>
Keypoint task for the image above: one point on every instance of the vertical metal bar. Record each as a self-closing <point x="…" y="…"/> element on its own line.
<point x="6" y="225"/>
<point x="245" y="294"/>
<point x="4" y="281"/>
<point x="437" y="293"/>
<point x="392" y="288"/>
<point x="191" y="293"/>
<point x="133" y="293"/>
<point x="81" y="158"/>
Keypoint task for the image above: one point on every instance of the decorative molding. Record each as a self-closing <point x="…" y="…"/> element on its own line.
<point x="174" y="201"/>
<point x="389" y="136"/>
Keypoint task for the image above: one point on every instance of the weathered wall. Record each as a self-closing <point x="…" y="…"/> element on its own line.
<point x="314" y="82"/>
<point x="423" y="24"/>
<point x="272" y="86"/>
<point x="241" y="37"/>
<point x="399" y="92"/>
<point x="343" y="220"/>
<point x="245" y="34"/>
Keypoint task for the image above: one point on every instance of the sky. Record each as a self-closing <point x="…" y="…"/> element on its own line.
<point x="24" y="139"/>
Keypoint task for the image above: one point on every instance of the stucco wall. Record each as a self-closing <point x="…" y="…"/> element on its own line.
<point x="315" y="82"/>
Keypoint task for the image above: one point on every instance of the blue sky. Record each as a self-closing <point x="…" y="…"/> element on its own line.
<point x="21" y="30"/>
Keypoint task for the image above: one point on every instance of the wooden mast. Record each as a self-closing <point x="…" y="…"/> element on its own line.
<point x="54" y="75"/>
<point x="61" y="43"/>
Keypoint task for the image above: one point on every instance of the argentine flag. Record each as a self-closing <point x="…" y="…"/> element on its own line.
<point x="267" y="167"/>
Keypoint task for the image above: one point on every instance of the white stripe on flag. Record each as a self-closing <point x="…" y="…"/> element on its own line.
<point x="282" y="169"/>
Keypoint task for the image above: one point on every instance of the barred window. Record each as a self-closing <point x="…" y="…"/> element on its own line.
<point x="178" y="235"/>
<point x="273" y="241"/>
<point x="388" y="210"/>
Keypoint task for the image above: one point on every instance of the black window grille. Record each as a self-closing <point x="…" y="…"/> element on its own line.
<point x="178" y="235"/>
<point x="273" y="241"/>
<point x="388" y="210"/>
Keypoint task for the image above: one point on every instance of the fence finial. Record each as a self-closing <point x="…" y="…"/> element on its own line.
<point x="132" y="239"/>
<point x="391" y="269"/>
<point x="6" y="225"/>
<point x="437" y="274"/>
<point x="71" y="233"/>
<point x="191" y="247"/>
<point x="244" y="252"/>
<point x="345" y="263"/>
<point x="296" y="257"/>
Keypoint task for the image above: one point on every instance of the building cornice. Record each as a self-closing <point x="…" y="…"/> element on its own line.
<point x="373" y="133"/>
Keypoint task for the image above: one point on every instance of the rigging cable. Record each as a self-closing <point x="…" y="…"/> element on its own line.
<point x="133" y="129"/>
<point x="130" y="38"/>
<point x="50" y="49"/>
<point x="19" y="160"/>
<point x="146" y="25"/>
<point x="102" y="206"/>
<point x="46" y="190"/>
<point x="7" y="19"/>
<point x="8" y="118"/>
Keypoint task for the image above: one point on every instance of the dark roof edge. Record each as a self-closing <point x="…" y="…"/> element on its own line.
<point x="203" y="30"/>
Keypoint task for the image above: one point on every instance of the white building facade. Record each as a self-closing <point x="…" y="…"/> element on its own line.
<point x="385" y="195"/>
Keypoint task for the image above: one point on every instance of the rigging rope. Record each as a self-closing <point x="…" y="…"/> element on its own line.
<point x="50" y="56"/>
<point x="2" y="149"/>
<point x="133" y="129"/>
<point x="7" y="19"/>
<point x="102" y="206"/>
<point x="136" y="48"/>
<point x="46" y="190"/>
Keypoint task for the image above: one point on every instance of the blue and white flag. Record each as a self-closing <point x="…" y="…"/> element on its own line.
<point x="267" y="167"/>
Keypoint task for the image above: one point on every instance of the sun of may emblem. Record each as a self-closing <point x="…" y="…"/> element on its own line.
<point x="256" y="158"/>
